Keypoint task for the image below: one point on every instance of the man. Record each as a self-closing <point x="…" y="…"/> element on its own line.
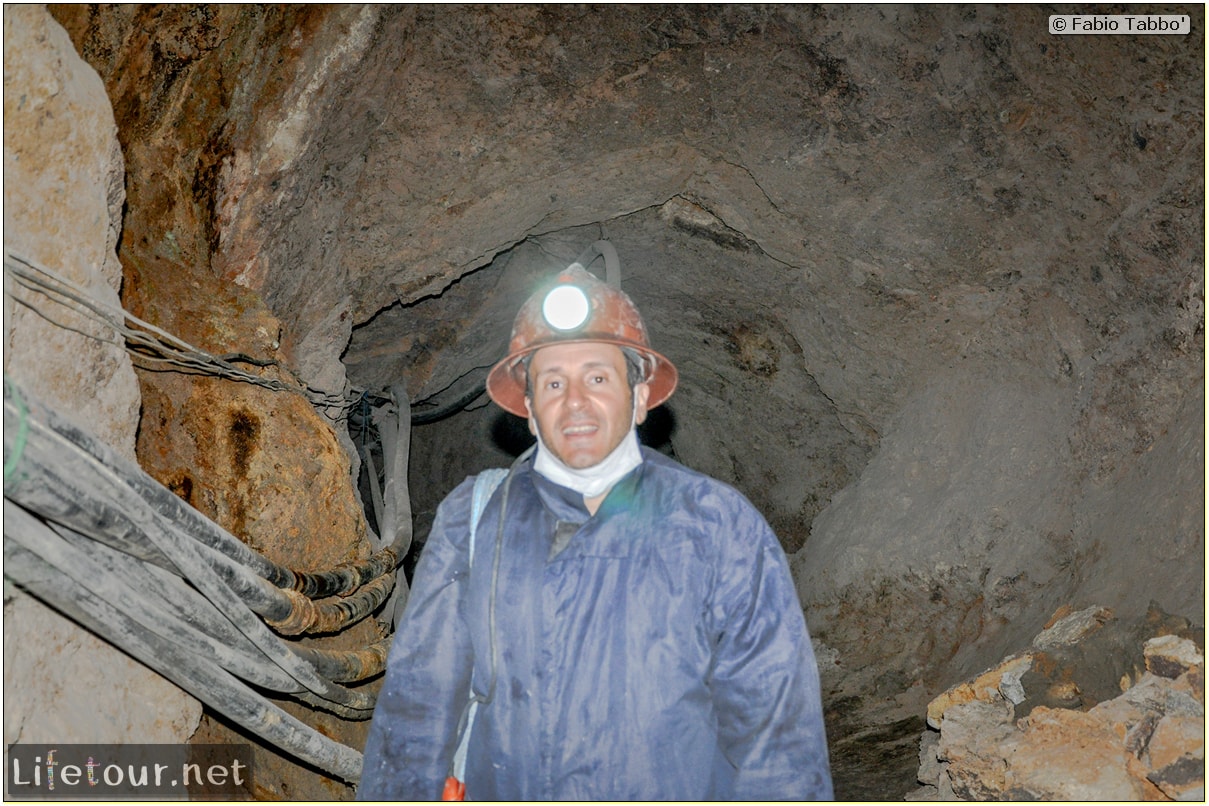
<point x="627" y="628"/>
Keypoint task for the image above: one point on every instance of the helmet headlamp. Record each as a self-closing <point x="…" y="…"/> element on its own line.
<point x="566" y="308"/>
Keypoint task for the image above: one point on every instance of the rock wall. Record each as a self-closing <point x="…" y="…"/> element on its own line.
<point x="265" y="465"/>
<point x="969" y="527"/>
<point x="63" y="195"/>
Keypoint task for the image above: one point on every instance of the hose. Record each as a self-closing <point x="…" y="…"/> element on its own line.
<point x="602" y="248"/>
<point x="349" y="665"/>
<point x="131" y="589"/>
<point x="165" y="606"/>
<point x="196" y="675"/>
<point x="174" y="608"/>
<point x="91" y="534"/>
<point x="395" y="430"/>
<point x="66" y="478"/>
<point x="326" y="617"/>
<point x="426" y="417"/>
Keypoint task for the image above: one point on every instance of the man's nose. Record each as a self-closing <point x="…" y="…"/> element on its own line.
<point x="576" y="395"/>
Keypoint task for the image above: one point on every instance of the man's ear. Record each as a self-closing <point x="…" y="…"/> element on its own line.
<point x="532" y="422"/>
<point x="642" y="393"/>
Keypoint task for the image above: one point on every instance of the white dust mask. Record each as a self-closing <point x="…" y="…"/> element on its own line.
<point x="594" y="481"/>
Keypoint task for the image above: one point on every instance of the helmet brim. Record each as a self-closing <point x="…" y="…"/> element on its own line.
<point x="506" y="381"/>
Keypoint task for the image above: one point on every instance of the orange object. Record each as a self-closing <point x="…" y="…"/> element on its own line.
<point x="454" y="789"/>
<point x="612" y="319"/>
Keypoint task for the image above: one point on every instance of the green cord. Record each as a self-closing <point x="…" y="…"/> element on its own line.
<point x="11" y="463"/>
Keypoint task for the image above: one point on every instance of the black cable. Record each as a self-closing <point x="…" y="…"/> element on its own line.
<point x="426" y="417"/>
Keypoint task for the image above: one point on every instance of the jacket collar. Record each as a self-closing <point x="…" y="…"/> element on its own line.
<point x="566" y="504"/>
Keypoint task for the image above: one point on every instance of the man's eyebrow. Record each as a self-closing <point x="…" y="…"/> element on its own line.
<point x="587" y="365"/>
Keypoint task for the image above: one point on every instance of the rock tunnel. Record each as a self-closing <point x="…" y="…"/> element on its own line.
<point x="933" y="278"/>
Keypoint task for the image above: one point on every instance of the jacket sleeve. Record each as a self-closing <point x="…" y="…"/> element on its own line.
<point x="414" y="730"/>
<point x="765" y="682"/>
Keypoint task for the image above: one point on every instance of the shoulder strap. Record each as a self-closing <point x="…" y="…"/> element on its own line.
<point x="484" y="487"/>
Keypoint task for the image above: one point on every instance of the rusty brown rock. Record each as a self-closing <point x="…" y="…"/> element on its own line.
<point x="1146" y="743"/>
<point x="1172" y="656"/>
<point x="262" y="464"/>
<point x="1068" y="755"/>
<point x="996" y="685"/>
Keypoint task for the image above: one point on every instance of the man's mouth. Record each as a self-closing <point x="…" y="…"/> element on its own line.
<point x="579" y="430"/>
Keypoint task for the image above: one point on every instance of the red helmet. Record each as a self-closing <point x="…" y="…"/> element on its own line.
<point x="576" y="307"/>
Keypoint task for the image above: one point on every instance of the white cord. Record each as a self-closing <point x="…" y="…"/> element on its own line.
<point x="145" y="341"/>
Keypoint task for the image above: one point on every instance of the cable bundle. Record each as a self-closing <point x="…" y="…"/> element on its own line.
<point x="92" y="534"/>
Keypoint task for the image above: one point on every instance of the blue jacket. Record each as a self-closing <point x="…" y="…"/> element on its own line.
<point x="659" y="653"/>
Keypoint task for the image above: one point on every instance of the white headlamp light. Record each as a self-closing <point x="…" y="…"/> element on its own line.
<point x="566" y="307"/>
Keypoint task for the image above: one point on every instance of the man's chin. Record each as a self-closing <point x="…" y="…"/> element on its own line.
<point x="580" y="461"/>
<point x="579" y="457"/>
